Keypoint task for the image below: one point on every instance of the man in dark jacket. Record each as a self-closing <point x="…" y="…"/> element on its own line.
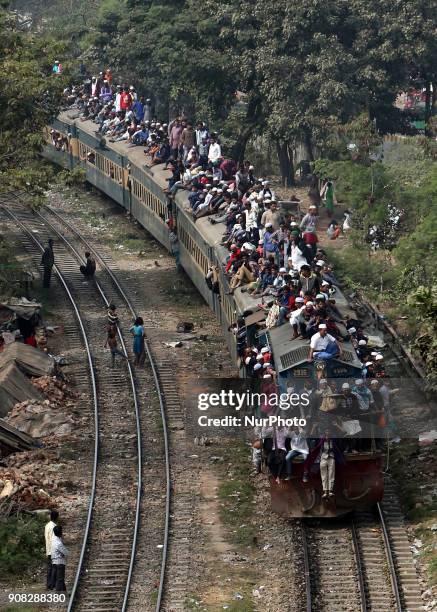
<point x="47" y="262"/>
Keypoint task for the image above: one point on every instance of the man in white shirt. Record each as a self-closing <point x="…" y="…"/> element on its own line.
<point x="48" y="536"/>
<point x="214" y="152"/>
<point x="323" y="345"/>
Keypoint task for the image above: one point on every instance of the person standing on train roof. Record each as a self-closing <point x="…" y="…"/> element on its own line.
<point x="118" y="99"/>
<point x="105" y="92"/>
<point x="147" y="116"/>
<point x="175" y="138"/>
<point x="138" y="109"/>
<point x="188" y="139"/>
<point x="125" y="100"/>
<point x="271" y="215"/>
<point x="201" y="132"/>
<point x="308" y="227"/>
<point x="214" y="151"/>
<point x="47" y="262"/>
<point x="323" y="346"/>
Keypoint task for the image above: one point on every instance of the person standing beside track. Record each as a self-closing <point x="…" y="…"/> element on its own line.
<point x="48" y="536"/>
<point x="47" y="262"/>
<point x="137" y="331"/>
<point x="59" y="558"/>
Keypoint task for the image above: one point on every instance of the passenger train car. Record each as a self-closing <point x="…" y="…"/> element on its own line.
<point x="121" y="173"/>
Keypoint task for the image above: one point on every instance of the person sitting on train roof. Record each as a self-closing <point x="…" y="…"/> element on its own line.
<point x="242" y="276"/>
<point x="327" y="274"/>
<point x="140" y="136"/>
<point x="162" y="154"/>
<point x="323" y="346"/>
<point x="308" y="281"/>
<point x="300" y="317"/>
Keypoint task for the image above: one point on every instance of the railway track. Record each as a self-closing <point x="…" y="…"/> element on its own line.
<point x="179" y="531"/>
<point x="362" y="563"/>
<point x="107" y="557"/>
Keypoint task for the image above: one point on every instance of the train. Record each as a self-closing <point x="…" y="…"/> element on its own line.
<point x="123" y="175"/>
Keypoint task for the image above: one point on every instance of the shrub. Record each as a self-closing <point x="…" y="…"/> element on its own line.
<point x="21" y="544"/>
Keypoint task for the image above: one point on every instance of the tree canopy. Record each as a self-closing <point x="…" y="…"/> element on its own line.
<point x="29" y="97"/>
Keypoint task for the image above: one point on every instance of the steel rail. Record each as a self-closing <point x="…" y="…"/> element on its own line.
<point x="390" y="559"/>
<point x="360" y="571"/>
<point x="161" y="404"/>
<point x="95" y="400"/>
<point x="306" y="565"/>
<point x="137" y="418"/>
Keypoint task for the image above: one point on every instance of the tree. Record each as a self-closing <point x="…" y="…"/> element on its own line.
<point x="29" y="97"/>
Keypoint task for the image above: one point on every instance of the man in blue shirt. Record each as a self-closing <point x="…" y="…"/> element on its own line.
<point x="138" y="109"/>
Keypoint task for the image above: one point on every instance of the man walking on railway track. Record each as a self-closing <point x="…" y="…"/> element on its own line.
<point x="47" y="261"/>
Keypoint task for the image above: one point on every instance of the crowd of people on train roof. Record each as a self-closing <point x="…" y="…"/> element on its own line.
<point x="274" y="255"/>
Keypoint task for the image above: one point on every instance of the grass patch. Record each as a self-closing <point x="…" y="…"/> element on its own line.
<point x="236" y="495"/>
<point x="154" y="596"/>
<point x="21" y="545"/>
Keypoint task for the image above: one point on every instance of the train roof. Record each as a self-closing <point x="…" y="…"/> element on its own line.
<point x="288" y="353"/>
<point x="291" y="353"/>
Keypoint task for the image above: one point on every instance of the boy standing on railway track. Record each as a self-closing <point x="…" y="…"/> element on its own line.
<point x="111" y="342"/>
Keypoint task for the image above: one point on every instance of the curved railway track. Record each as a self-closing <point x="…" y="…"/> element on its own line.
<point x="107" y="556"/>
<point x="363" y="563"/>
